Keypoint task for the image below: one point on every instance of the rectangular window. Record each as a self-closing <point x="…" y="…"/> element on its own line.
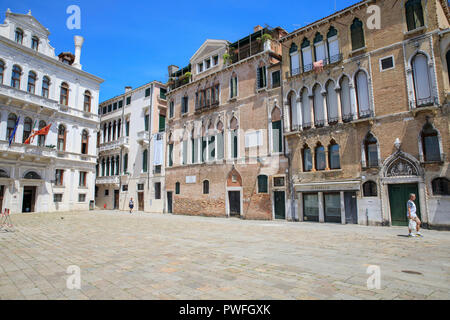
<point x="158" y="190"/>
<point x="104" y="110"/>
<point x="200" y="67"/>
<point x="278" y="181"/>
<point x="106" y="192"/>
<point x="185" y="152"/>
<point x="59" y="177"/>
<point x="157" y="169"/>
<point x="184" y="105"/>
<point x="170" y="155"/>
<point x="215" y="60"/>
<point x="310" y="207"/>
<point x="262" y="184"/>
<point x="162" y="123"/>
<point x="162" y="93"/>
<point x="171" y="109"/>
<point x="120" y="104"/>
<point x="387" y="63"/>
<point x="140" y="186"/>
<point x="115" y="106"/>
<point x="81" y="197"/>
<point x="207" y="64"/>
<point x="276" y="79"/>
<point x="110" y="108"/>
<point x="147" y="92"/>
<point x="146" y="120"/>
<point x="82" y="180"/>
<point x="127" y="128"/>
<point x="57" y="197"/>
<point x="277" y="138"/>
<point x="125" y="187"/>
<point x="261" y="77"/>
<point x="234" y="144"/>
<point x="177" y="188"/>
<point x="128" y="100"/>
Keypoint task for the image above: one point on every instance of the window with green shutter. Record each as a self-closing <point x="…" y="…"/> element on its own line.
<point x="162" y="123"/>
<point x="127" y="128"/>
<point x="277" y="138"/>
<point x="177" y="188"/>
<point x="147" y="92"/>
<point x="162" y="93"/>
<point x="144" y="160"/>
<point x="125" y="163"/>
<point x="234" y="144"/>
<point x="262" y="184"/>
<point x="414" y="14"/>
<point x="128" y="100"/>
<point x="146" y="118"/>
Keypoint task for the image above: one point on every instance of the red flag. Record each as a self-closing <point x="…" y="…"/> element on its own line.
<point x="318" y="66"/>
<point x="43" y="132"/>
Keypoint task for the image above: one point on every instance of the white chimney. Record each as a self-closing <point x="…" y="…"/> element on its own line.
<point x="127" y="89"/>
<point x="78" y="43"/>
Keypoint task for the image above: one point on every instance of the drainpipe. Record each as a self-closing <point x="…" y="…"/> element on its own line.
<point x="150" y="122"/>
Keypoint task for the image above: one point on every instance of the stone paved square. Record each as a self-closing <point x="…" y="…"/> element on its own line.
<point x="163" y="256"/>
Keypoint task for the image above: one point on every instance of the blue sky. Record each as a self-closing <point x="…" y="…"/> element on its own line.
<point x="133" y="42"/>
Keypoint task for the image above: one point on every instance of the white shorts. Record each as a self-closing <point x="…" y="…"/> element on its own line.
<point x="412" y="224"/>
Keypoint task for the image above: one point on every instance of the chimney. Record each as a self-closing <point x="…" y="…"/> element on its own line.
<point x="172" y="68"/>
<point x="127" y="89"/>
<point x="257" y="28"/>
<point x="78" y="43"/>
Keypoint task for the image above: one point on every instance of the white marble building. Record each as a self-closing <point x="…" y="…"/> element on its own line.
<point x="131" y="149"/>
<point x="37" y="88"/>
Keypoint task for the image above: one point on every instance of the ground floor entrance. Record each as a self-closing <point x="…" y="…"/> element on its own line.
<point x="116" y="199"/>
<point x="398" y="197"/>
<point x="279" y="205"/>
<point x="169" y="202"/>
<point x="140" y="201"/>
<point x="29" y="199"/>
<point x="234" y="200"/>
<point x="351" y="211"/>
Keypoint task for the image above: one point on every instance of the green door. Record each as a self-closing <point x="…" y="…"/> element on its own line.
<point x="279" y="205"/>
<point x="398" y="197"/>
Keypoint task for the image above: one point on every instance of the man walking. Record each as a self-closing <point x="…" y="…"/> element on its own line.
<point x="131" y="204"/>
<point x="413" y="219"/>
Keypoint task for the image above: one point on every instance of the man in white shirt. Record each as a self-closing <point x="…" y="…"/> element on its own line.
<point x="413" y="219"/>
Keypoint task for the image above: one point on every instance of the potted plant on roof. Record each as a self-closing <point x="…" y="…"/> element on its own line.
<point x="267" y="40"/>
<point x="226" y="58"/>
<point x="187" y="77"/>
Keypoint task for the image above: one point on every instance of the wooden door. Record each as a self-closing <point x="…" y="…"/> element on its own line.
<point x="351" y="212"/>
<point x="398" y="197"/>
<point x="2" y="192"/>
<point x="279" y="205"/>
<point x="141" y="201"/>
<point x="116" y="199"/>
<point x="234" y="198"/>
<point x="29" y="196"/>
<point x="169" y="201"/>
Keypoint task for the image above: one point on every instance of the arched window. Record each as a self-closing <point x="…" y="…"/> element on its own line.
<point x="319" y="119"/>
<point x="117" y="165"/>
<point x="421" y="77"/>
<point x="45" y="86"/>
<point x="293" y="112"/>
<point x="125" y="163"/>
<point x="307" y="158"/>
<point x="84" y="142"/>
<point x="114" y="130"/>
<point x="320" y="158"/>
<point x="263" y="184"/>
<point x="277" y="134"/>
<point x="234" y="138"/>
<point x="64" y="94"/>
<point x="333" y="45"/>
<point x="107" y="167"/>
<point x="61" y="138"/>
<point x="41" y="138"/>
<point x="87" y="101"/>
<point x="233" y="85"/>
<point x="15" y="76"/>
<point x="357" y="34"/>
<point x="27" y="127"/>
<point x="144" y="160"/>
<point x="430" y="143"/>
<point x="306" y="109"/>
<point x="177" y="188"/>
<point x="2" y="71"/>
<point x="332" y="103"/>
<point x="362" y="94"/>
<point x="414" y="14"/>
<point x="105" y="131"/>
<point x="345" y="99"/>
<point x="307" y="62"/>
<point x="35" y="43"/>
<point x="371" y="150"/>
<point x="441" y="187"/>
<point x="220" y="140"/>
<point x="205" y="187"/>
<point x="319" y="48"/>
<point x="19" y="36"/>
<point x="293" y="53"/>
<point x="369" y="189"/>
<point x="31" y="82"/>
<point x="3" y="174"/>
<point x="109" y="131"/>
<point x="334" y="158"/>
<point x="12" y="119"/>
<point x="32" y="175"/>
<point x="119" y="128"/>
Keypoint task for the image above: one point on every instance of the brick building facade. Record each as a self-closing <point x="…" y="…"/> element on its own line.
<point x="225" y="151"/>
<point x="371" y="125"/>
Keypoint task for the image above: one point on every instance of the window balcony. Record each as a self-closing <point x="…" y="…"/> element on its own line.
<point x="27" y="98"/>
<point x="365" y="114"/>
<point x="307" y="67"/>
<point x="319" y="123"/>
<point x="111" y="145"/>
<point x="347" y="118"/>
<point x="295" y="72"/>
<point x="142" y="137"/>
<point x="37" y="152"/>
<point x="109" y="180"/>
<point x="333" y="120"/>
<point x="426" y="102"/>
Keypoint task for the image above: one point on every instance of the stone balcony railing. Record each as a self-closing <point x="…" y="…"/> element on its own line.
<point x="116" y="144"/>
<point x="43" y="103"/>
<point x="107" y="180"/>
<point x="142" y="137"/>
